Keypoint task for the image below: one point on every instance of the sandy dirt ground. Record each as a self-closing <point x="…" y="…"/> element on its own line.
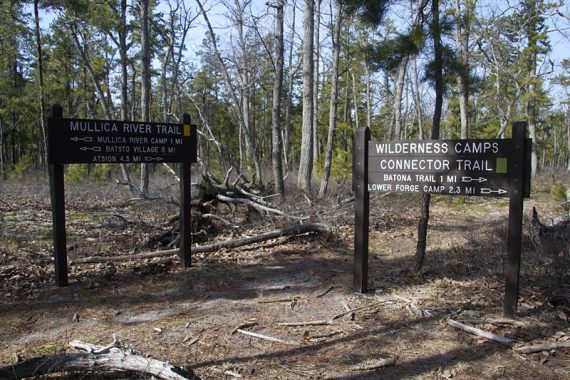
<point x="189" y="317"/>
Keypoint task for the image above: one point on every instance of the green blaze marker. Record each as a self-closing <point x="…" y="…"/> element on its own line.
<point x="501" y="166"/>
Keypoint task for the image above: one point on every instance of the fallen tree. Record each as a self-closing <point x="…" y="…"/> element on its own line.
<point x="108" y="359"/>
<point x="289" y="231"/>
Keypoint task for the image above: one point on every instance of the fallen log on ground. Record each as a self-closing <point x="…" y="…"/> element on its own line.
<point x="542" y="347"/>
<point x="289" y="231"/>
<point x="108" y="359"/>
<point x="482" y="333"/>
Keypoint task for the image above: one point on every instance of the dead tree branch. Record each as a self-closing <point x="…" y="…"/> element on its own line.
<point x="101" y="359"/>
<point x="289" y="231"/>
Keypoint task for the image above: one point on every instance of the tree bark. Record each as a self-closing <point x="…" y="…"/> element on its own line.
<point x="307" y="143"/>
<point x="292" y="73"/>
<point x="398" y="92"/>
<point x="333" y="99"/>
<point x="462" y="48"/>
<point x="439" y="87"/>
<point x="40" y="59"/>
<point x="124" y="59"/>
<point x="418" y="101"/>
<point x="317" y="57"/>
<point x="145" y="83"/>
<point x="97" y="359"/>
<point x="276" y="161"/>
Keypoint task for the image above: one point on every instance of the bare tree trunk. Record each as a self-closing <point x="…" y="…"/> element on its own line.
<point x="418" y="101"/>
<point x="568" y="138"/>
<point x="244" y="81"/>
<point x="355" y="102"/>
<point x="124" y="81"/>
<point x="96" y="82"/>
<point x="398" y="93"/>
<point x="462" y="48"/>
<point x="145" y="84"/>
<point x="241" y="118"/>
<point x="307" y="143"/>
<point x="276" y="161"/>
<point x="317" y="47"/>
<point x="38" y="36"/>
<point x="438" y="78"/>
<point x="368" y="97"/>
<point x="531" y="113"/>
<point x="333" y="99"/>
<point x="292" y="72"/>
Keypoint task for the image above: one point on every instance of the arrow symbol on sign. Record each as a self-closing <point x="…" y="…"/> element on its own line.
<point x="85" y="139"/>
<point x="94" y="149"/>
<point x="471" y="179"/>
<point x="153" y="158"/>
<point x="486" y="190"/>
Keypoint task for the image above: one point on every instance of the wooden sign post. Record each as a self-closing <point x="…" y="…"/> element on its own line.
<point x="119" y="142"/>
<point x="485" y="167"/>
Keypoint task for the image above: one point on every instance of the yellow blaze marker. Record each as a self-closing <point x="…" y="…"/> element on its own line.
<point x="186" y="130"/>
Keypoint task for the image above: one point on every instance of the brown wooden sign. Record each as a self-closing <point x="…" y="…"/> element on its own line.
<point x="112" y="141"/>
<point x="120" y="142"/>
<point x="490" y="167"/>
<point x="451" y="167"/>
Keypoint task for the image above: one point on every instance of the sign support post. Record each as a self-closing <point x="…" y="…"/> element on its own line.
<point x="185" y="207"/>
<point x="362" y="209"/>
<point x="57" y="193"/>
<point x="473" y="167"/>
<point x="93" y="141"/>
<point x="517" y="189"/>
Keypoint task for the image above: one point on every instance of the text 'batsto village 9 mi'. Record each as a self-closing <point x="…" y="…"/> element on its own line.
<point x="460" y="167"/>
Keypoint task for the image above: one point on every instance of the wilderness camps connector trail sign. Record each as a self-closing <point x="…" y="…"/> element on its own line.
<point x="453" y="167"/>
<point x="490" y="167"/>
<point x="117" y="142"/>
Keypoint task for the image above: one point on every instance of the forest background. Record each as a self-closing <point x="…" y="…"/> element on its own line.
<point x="285" y="82"/>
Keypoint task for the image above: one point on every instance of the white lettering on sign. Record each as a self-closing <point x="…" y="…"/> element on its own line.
<point x="425" y="178"/>
<point x="474" y="165"/>
<point x="92" y="126"/>
<point x="476" y="147"/>
<point x="111" y="139"/>
<point x="412" y="147"/>
<point x="145" y="149"/>
<point x="433" y="189"/>
<point x="414" y="164"/>
<point x="136" y="128"/>
<point x="104" y="159"/>
<point x="386" y="187"/>
<point x="407" y="188"/>
<point x="169" y="129"/>
<point x="117" y="149"/>
<point x="138" y="140"/>
<point x="159" y="140"/>
<point x="398" y="177"/>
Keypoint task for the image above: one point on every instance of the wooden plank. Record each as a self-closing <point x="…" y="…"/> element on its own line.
<point x="362" y="209"/>
<point x="185" y="211"/>
<point x="57" y="193"/>
<point x="514" y="236"/>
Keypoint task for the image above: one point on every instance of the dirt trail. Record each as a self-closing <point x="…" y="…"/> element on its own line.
<point x="187" y="316"/>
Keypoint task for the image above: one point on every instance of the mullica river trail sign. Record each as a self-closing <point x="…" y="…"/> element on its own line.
<point x="117" y="142"/>
<point x="490" y="167"/>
